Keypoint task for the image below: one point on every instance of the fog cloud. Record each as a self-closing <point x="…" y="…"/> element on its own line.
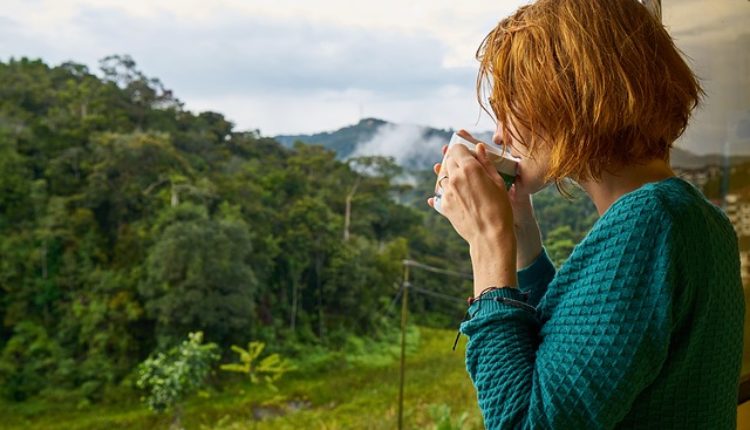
<point x="407" y="144"/>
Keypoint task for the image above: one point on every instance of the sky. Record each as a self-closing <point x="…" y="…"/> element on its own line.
<point x="294" y="66"/>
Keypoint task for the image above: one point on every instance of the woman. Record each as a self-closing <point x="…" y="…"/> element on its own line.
<point x="642" y="326"/>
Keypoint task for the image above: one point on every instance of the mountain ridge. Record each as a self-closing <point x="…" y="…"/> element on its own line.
<point x="348" y="140"/>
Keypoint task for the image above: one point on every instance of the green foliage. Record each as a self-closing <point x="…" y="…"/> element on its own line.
<point x="268" y="370"/>
<point x="378" y="350"/>
<point x="168" y="378"/>
<point x="26" y="359"/>
<point x="198" y="275"/>
<point x="560" y="243"/>
<point x="336" y="397"/>
<point x="127" y="222"/>
<point x="382" y="351"/>
<point x="441" y="413"/>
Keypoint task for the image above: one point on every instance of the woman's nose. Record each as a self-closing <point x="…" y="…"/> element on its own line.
<point x="497" y="137"/>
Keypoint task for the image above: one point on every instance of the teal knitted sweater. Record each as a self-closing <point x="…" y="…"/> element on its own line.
<point x="641" y="327"/>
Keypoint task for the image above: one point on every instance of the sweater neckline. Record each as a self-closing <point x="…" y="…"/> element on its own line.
<point x="599" y="223"/>
<point x="639" y="190"/>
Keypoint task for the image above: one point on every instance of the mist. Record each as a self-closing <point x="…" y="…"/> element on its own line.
<point x="409" y="145"/>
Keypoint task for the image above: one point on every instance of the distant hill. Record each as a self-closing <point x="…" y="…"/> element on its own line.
<point x="413" y="146"/>
<point x="417" y="147"/>
<point x="343" y="141"/>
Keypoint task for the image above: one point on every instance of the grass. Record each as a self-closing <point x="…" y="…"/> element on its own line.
<point x="359" y="396"/>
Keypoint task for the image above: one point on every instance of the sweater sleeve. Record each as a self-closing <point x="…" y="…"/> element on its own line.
<point x="534" y="278"/>
<point x="605" y="341"/>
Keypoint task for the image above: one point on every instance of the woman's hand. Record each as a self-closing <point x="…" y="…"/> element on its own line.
<point x="474" y="197"/>
<point x="523" y="212"/>
<point x="477" y="205"/>
<point x="528" y="234"/>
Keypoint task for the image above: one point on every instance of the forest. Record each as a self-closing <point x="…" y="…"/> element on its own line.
<point x="128" y="222"/>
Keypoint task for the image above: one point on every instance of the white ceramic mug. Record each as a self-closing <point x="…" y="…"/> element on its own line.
<point x="505" y="164"/>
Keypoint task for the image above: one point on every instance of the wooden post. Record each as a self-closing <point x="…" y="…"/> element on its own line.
<point x="404" y="309"/>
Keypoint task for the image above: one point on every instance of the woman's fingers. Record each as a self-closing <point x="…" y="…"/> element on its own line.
<point x="451" y="161"/>
<point x="436" y="168"/>
<point x="482" y="157"/>
<point x="466" y="135"/>
<point x="457" y="154"/>
<point x="445" y="148"/>
<point x="431" y="202"/>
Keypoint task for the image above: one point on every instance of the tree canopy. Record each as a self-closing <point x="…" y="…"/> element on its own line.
<point x="127" y="222"/>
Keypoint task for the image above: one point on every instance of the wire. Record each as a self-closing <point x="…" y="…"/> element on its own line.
<point x="387" y="310"/>
<point x="437" y="270"/>
<point x="395" y="299"/>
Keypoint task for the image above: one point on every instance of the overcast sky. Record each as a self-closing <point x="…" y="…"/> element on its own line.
<point x="295" y="66"/>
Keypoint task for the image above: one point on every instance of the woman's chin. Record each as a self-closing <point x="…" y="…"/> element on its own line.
<point x="519" y="187"/>
<point x="525" y="188"/>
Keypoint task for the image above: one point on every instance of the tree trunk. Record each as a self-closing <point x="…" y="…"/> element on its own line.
<point x="175" y="200"/>
<point x="348" y="210"/>
<point x="44" y="259"/>
<point x="318" y="267"/>
<point x="293" y="316"/>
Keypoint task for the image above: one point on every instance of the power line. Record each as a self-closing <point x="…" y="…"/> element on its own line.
<point x="428" y="268"/>
<point x="406" y="286"/>
<point x="395" y="298"/>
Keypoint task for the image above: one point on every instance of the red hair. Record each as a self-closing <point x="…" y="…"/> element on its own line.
<point x="598" y="81"/>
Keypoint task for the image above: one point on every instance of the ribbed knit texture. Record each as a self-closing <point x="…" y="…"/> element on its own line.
<point x="640" y="328"/>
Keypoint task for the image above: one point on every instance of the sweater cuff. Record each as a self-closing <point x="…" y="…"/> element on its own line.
<point x="495" y="303"/>
<point x="541" y="267"/>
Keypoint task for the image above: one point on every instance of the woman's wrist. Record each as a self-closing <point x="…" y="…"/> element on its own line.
<point x="529" y="243"/>
<point x="493" y="262"/>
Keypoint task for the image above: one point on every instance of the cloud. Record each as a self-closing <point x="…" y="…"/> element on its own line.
<point x="246" y="54"/>
<point x="282" y="74"/>
<point x="407" y="144"/>
<point x="313" y="112"/>
<point x="290" y="66"/>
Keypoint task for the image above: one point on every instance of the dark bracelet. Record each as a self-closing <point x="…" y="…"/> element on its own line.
<point x="470" y="300"/>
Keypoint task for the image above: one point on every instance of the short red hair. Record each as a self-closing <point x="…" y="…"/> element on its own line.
<point x="601" y="79"/>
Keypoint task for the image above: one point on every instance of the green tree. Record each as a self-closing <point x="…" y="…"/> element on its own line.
<point x="27" y="361"/>
<point x="197" y="276"/>
<point x="169" y="378"/>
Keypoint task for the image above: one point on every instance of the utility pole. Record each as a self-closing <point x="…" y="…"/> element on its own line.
<point x="404" y="311"/>
<point x="404" y="300"/>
